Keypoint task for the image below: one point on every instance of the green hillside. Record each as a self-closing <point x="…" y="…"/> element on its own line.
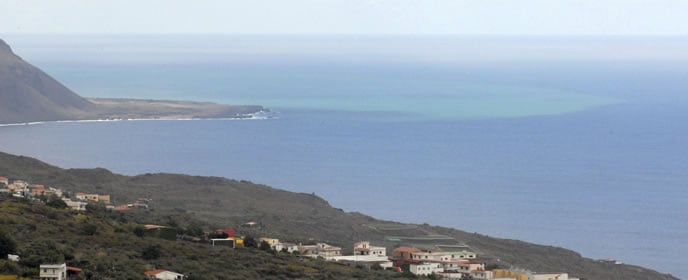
<point x="212" y="202"/>
<point x="106" y="246"/>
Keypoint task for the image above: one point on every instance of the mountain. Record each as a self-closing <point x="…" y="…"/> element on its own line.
<point x="28" y="94"/>
<point x="297" y="217"/>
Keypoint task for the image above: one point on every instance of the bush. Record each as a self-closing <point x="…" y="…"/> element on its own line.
<point x="151" y="252"/>
<point x="250" y="242"/>
<point x="7" y="245"/>
<point x="265" y="246"/>
<point x="56" y="202"/>
<point x="89" y="229"/>
<point x="139" y="231"/>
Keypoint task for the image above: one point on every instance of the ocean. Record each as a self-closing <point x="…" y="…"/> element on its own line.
<point x="584" y="151"/>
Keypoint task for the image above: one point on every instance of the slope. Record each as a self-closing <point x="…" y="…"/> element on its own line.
<point x="298" y="217"/>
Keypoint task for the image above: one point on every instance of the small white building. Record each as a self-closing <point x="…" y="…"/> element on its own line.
<point x="164" y="275"/>
<point x="551" y="276"/>
<point x="382" y="261"/>
<point x="364" y="248"/>
<point x="289" y="247"/>
<point x="53" y="272"/>
<point x="14" y="258"/>
<point x="482" y="274"/>
<point x="426" y="268"/>
<point x="75" y="205"/>
<point x="320" y="250"/>
<point x="431" y="256"/>
<point x="229" y="242"/>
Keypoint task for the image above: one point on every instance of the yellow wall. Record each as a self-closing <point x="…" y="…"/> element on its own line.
<point x="238" y="241"/>
<point x="503" y="273"/>
<point x="11" y="277"/>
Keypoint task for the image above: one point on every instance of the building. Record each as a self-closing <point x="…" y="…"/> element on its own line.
<point x="53" y="272"/>
<point x="53" y="191"/>
<point x="4" y="181"/>
<point x="271" y="241"/>
<point x="288" y="247"/>
<point x="503" y="273"/>
<point x="93" y="197"/>
<point x="75" y="205"/>
<point x="223" y="242"/>
<point x="163" y="274"/>
<point x="551" y="276"/>
<point x="230" y="232"/>
<point x="37" y="190"/>
<point x="364" y="260"/>
<point x="320" y="250"/>
<point x="431" y="256"/>
<point x="404" y="253"/>
<point x="364" y="248"/>
<point x="425" y="268"/>
<point x="105" y="198"/>
<point x="481" y="274"/>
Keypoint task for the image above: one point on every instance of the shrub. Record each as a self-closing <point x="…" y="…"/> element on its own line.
<point x="7" y="244"/>
<point x="151" y="252"/>
<point x="89" y="229"/>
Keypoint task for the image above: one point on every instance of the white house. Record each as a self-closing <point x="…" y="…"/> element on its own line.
<point x="320" y="250"/>
<point x="14" y="258"/>
<point x="223" y="242"/>
<point x="364" y="248"/>
<point x="53" y="272"/>
<point x="551" y="276"/>
<point x="482" y="274"/>
<point x="383" y="261"/>
<point x="461" y="255"/>
<point x="163" y="274"/>
<point x="431" y="256"/>
<point x="289" y="247"/>
<point x="75" y="205"/>
<point x="425" y="268"/>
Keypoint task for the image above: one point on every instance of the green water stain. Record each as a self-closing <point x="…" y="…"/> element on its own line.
<point x="464" y="102"/>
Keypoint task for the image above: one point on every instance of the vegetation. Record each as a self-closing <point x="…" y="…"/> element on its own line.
<point x="190" y="203"/>
<point x="107" y="247"/>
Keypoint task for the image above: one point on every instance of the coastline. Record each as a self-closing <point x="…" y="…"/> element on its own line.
<point x="250" y="116"/>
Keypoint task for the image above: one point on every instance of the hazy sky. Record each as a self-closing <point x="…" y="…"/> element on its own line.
<point x="513" y="17"/>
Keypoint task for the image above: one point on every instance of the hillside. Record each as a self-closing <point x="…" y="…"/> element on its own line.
<point x="214" y="202"/>
<point x="105" y="246"/>
<point x="28" y="94"/>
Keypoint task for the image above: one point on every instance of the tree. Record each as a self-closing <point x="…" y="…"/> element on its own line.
<point x="151" y="252"/>
<point x="194" y="230"/>
<point x="139" y="231"/>
<point x="56" y="202"/>
<point x="7" y="245"/>
<point x="95" y="208"/>
<point x="89" y="229"/>
<point x="250" y="242"/>
<point x="265" y="246"/>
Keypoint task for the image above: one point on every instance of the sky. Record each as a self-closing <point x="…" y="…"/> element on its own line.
<point x="393" y="17"/>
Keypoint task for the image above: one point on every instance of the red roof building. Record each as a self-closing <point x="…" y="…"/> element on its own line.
<point x="163" y="274"/>
<point x="230" y="232"/>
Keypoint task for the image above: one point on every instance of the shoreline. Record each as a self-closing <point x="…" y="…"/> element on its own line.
<point x="261" y="115"/>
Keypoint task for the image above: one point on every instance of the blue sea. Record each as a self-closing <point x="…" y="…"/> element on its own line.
<point x="574" y="142"/>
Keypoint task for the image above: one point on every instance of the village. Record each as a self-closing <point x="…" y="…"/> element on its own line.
<point x="437" y="261"/>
